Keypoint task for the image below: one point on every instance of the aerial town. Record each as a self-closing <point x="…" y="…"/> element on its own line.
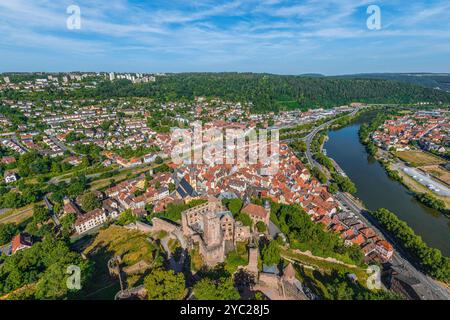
<point x="429" y="129"/>
<point x="95" y="178"/>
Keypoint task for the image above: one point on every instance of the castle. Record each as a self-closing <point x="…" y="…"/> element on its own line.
<point x="213" y="227"/>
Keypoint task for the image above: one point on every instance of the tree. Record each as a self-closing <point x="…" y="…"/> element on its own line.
<point x="77" y="185"/>
<point x="40" y="214"/>
<point x="261" y="227"/>
<point x="340" y="290"/>
<point x="344" y="183"/>
<point x="259" y="296"/>
<point x="7" y="232"/>
<point x="53" y="283"/>
<point x="267" y="92"/>
<point x="271" y="253"/>
<point x="159" y="160"/>
<point x="106" y="124"/>
<point x="165" y="285"/>
<point x="431" y="260"/>
<point x="89" y="201"/>
<point x="45" y="263"/>
<point x="223" y="289"/>
<point x="333" y="188"/>
<point x="234" y="205"/>
<point x="319" y="175"/>
<point x="245" y="219"/>
<point x="11" y="200"/>
<point x="67" y="222"/>
<point x="431" y="201"/>
<point x="126" y="217"/>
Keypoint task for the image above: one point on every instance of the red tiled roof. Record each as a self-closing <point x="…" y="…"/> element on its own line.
<point x="386" y="245"/>
<point x="255" y="210"/>
<point x="88" y="216"/>
<point x="19" y="241"/>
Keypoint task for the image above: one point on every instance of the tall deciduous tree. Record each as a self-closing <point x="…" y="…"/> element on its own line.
<point x="165" y="285"/>
<point x="271" y="253"/>
<point x="90" y="201"/>
<point x="223" y="289"/>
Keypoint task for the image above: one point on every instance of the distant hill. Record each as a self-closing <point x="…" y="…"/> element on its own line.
<point x="312" y="75"/>
<point x="439" y="81"/>
<point x="274" y="92"/>
<point x="267" y="92"/>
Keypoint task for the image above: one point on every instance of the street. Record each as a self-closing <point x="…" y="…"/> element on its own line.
<point x="309" y="138"/>
<point x="434" y="291"/>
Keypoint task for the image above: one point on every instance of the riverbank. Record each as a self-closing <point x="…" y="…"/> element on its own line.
<point x="418" y="188"/>
<point x="393" y="165"/>
<point x="377" y="190"/>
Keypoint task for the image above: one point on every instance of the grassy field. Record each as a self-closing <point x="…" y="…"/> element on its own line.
<point x="325" y="266"/>
<point x="17" y="215"/>
<point x="196" y="260"/>
<point x="419" y="158"/>
<point x="120" y="176"/>
<point x="439" y="172"/>
<point x="132" y="246"/>
<point x="236" y="258"/>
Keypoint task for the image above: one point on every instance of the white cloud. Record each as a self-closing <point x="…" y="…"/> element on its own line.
<point x="253" y="28"/>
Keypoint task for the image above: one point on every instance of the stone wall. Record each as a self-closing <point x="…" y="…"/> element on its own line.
<point x="162" y="225"/>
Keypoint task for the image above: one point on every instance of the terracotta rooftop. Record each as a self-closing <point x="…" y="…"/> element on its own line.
<point x="19" y="241"/>
<point x="255" y="210"/>
<point x="88" y="216"/>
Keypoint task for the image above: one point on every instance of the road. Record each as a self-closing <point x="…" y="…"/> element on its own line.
<point x="309" y="138"/>
<point x="61" y="145"/>
<point x="434" y="291"/>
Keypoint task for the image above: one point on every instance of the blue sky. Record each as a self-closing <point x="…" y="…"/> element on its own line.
<point x="276" y="36"/>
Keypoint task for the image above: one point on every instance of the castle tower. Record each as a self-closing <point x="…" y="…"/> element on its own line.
<point x="184" y="224"/>
<point x="212" y="229"/>
<point x="253" y="260"/>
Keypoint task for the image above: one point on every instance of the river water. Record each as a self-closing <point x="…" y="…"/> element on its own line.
<point x="377" y="190"/>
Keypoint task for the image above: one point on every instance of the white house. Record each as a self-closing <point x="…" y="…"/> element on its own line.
<point x="10" y="177"/>
<point x="90" y="220"/>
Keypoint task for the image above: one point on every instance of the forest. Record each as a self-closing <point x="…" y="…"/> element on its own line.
<point x="304" y="234"/>
<point x="273" y="92"/>
<point x="267" y="92"/>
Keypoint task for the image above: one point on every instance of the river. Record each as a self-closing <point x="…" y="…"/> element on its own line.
<point x="377" y="190"/>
